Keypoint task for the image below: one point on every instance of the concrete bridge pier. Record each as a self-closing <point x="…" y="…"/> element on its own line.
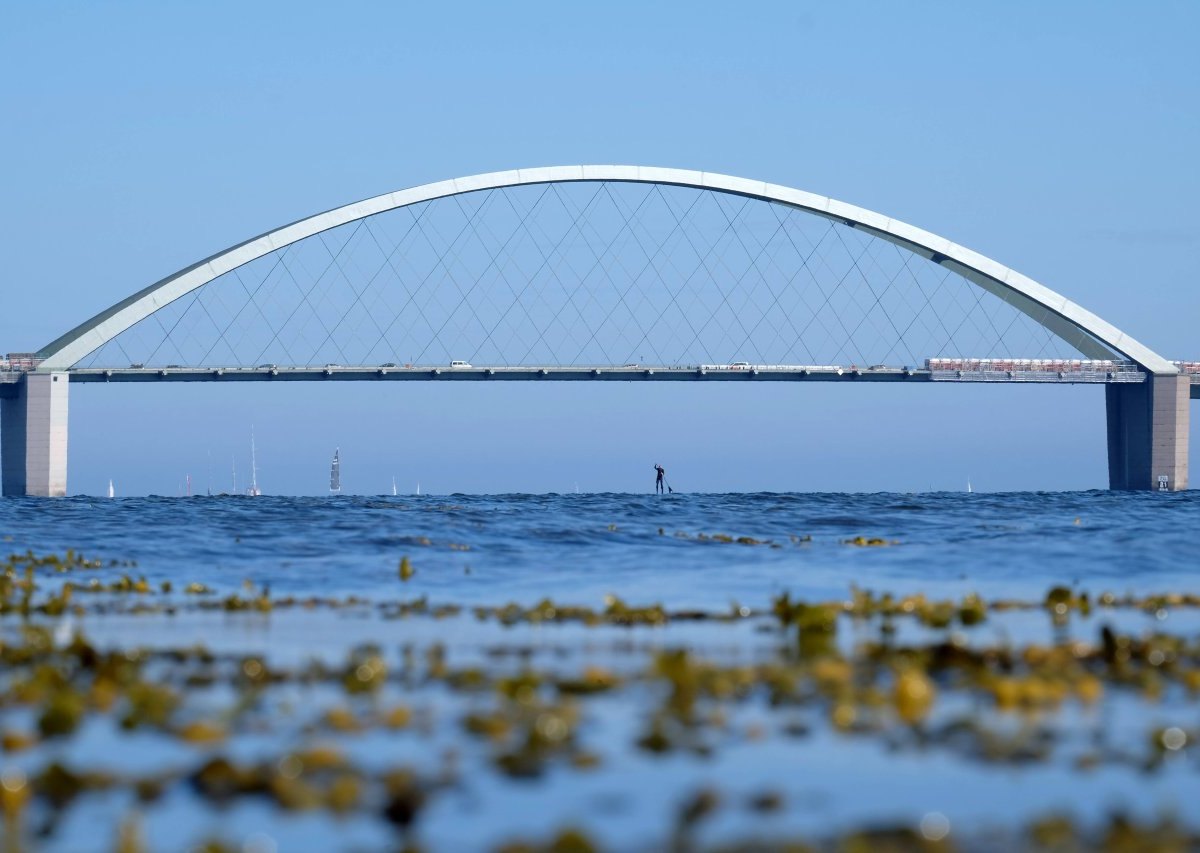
<point x="33" y="436"/>
<point x="1148" y="433"/>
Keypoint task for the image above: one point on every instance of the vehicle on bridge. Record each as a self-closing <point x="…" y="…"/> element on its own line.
<point x="1033" y="370"/>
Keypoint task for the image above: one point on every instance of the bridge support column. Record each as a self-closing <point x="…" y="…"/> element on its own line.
<point x="33" y="437"/>
<point x="1148" y="434"/>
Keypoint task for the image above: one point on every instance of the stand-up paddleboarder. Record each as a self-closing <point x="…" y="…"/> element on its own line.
<point x="658" y="482"/>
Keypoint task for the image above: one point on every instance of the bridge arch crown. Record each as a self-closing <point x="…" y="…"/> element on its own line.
<point x="1068" y="322"/>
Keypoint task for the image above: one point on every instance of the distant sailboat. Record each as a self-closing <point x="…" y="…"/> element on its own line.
<point x="111" y="493"/>
<point x="969" y="489"/>
<point x="335" y="473"/>
<point x="418" y="488"/>
<point x="254" y="491"/>
<point x="393" y="487"/>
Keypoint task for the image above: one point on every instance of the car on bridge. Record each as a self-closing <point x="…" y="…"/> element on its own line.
<point x="459" y="365"/>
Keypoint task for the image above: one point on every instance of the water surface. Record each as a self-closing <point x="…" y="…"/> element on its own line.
<point x="716" y="564"/>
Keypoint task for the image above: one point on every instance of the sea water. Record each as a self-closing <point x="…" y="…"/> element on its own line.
<point x="720" y="561"/>
<point x="643" y="547"/>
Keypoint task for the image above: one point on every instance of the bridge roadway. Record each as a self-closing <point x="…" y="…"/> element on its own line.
<point x="602" y="373"/>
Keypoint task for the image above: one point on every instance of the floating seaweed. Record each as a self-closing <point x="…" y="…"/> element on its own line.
<point x="525" y="708"/>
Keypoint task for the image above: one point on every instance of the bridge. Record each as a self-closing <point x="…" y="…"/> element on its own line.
<point x="600" y="273"/>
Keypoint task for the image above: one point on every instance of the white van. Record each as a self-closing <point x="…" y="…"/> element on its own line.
<point x="459" y="365"/>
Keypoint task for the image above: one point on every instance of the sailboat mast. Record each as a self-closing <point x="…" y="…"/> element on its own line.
<point x="254" y="490"/>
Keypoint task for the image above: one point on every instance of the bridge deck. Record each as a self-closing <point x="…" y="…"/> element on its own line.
<point x="629" y="373"/>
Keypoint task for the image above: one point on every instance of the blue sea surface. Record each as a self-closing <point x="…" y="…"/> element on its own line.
<point x="727" y="553"/>
<point x="645" y="548"/>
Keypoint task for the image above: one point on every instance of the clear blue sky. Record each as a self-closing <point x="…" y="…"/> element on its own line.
<point x="1058" y="138"/>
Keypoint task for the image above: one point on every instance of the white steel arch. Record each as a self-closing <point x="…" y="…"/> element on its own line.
<point x="1081" y="328"/>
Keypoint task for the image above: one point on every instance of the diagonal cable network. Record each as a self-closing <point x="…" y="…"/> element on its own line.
<point x="752" y="267"/>
<point x="762" y="249"/>
<point x="633" y="280"/>
<point x="442" y="263"/>
<point x="578" y="220"/>
<point x="611" y="259"/>
<point x="664" y="265"/>
<point x="357" y="294"/>
<point x="546" y="262"/>
<point x="627" y="233"/>
<point x="580" y="217"/>
<point x="681" y="222"/>
<point x="463" y="295"/>
<point x="708" y="271"/>
<point x="412" y="294"/>
<point x="828" y="296"/>
<point x="622" y="262"/>
<point x="807" y="268"/>
<point x="904" y="268"/>
<point x="304" y="301"/>
<point x="789" y="283"/>
<point x="570" y="272"/>
<point x="251" y="298"/>
<point x="877" y="297"/>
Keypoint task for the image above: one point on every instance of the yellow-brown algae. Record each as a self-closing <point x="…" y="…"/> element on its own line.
<point x="202" y="732"/>
<point x="16" y="741"/>
<point x="869" y="542"/>
<point x="913" y="695"/>
<point x="398" y="717"/>
<point x="344" y="793"/>
<point x="14" y="794"/>
<point x="533" y="706"/>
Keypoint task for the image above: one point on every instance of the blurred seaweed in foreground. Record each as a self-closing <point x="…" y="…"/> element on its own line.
<point x="522" y="706"/>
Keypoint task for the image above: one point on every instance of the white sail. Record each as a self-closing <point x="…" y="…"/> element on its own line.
<point x="254" y="491"/>
<point x="335" y="473"/>
<point x="393" y="487"/>
<point x="111" y="493"/>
